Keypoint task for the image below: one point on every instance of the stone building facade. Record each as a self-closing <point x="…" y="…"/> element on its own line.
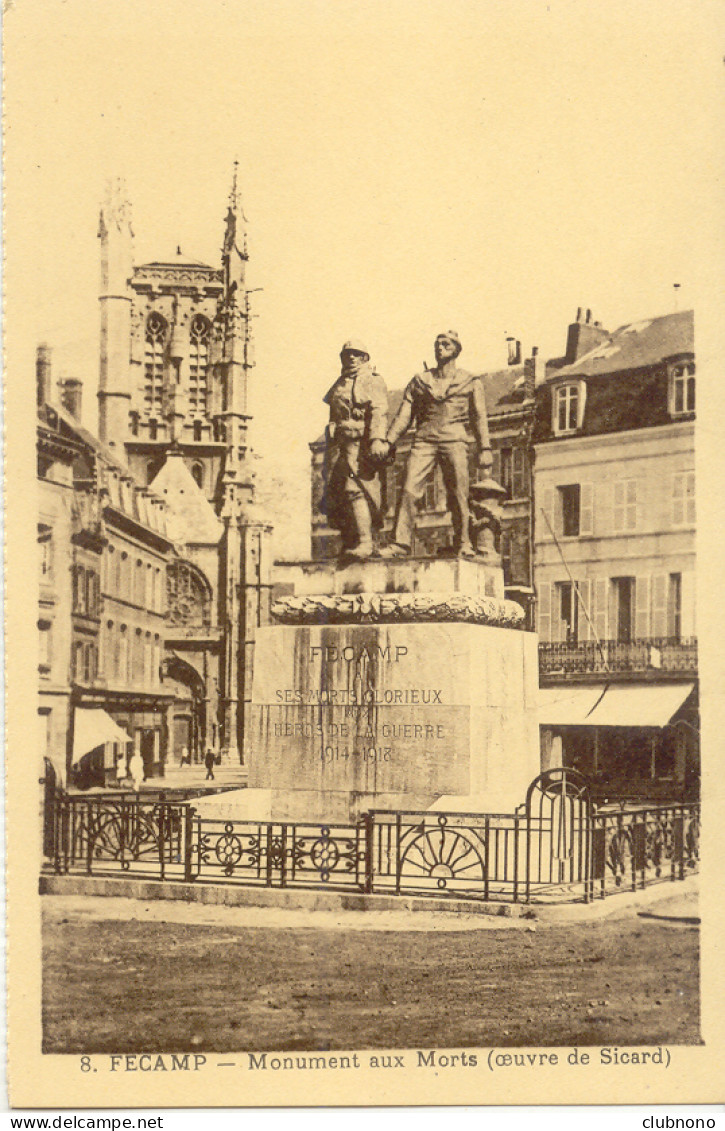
<point x="103" y="553"/>
<point x="615" y="556"/>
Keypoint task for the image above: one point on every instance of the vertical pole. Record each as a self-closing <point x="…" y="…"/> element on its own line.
<point x="189" y="812"/>
<point x="89" y="837"/>
<point x="516" y="858"/>
<point x="283" y="853"/>
<point x="678" y="847"/>
<point x="269" y="855"/>
<point x="163" y="813"/>
<point x="368" y="830"/>
<point x="398" y="863"/>
<point x="487" y="853"/>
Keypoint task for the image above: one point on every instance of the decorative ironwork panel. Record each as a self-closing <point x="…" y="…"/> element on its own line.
<point x="648" y="845"/>
<point x="474" y="855"/>
<point x="279" y="854"/>
<point x="128" y="835"/>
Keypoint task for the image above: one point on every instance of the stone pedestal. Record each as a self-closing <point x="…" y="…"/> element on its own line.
<point x="473" y="576"/>
<point x="349" y="717"/>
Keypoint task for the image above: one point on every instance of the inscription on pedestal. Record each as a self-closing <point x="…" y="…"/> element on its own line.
<point x="391" y="715"/>
<point x="360" y="707"/>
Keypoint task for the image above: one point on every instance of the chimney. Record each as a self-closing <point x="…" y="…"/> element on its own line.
<point x="71" y="394"/>
<point x="534" y="373"/>
<point x="42" y="375"/>
<point x="584" y="334"/>
<point x="514" y="348"/>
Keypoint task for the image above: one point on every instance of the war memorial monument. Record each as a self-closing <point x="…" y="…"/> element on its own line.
<point x="386" y="680"/>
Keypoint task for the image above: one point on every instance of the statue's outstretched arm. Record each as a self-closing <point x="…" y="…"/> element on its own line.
<point x="401" y="421"/>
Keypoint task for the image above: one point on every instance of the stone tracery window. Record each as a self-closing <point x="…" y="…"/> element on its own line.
<point x="154" y="363"/>
<point x="188" y="597"/>
<point x="199" y="336"/>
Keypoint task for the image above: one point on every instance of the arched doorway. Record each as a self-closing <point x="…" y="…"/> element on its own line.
<point x="188" y="722"/>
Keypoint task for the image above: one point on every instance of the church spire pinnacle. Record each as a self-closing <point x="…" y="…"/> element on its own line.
<point x="234" y="251"/>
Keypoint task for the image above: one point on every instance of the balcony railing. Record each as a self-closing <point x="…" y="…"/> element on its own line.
<point x="647" y="655"/>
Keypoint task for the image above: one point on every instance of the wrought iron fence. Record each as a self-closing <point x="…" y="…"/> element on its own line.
<point x="276" y="854"/>
<point x="587" y="656"/>
<point x="556" y="846"/>
<point x="635" y="848"/>
<point x="125" y="834"/>
<point x="465" y="854"/>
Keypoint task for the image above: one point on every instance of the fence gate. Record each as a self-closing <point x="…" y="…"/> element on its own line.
<point x="558" y="833"/>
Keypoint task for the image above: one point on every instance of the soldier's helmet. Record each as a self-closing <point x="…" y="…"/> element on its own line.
<point x="357" y="346"/>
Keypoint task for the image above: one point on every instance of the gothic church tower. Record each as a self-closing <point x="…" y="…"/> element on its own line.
<point x="176" y="356"/>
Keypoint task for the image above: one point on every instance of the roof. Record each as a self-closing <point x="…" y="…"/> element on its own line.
<point x="178" y="260"/>
<point x="637" y="345"/>
<point x="190" y="515"/>
<point x="101" y="449"/>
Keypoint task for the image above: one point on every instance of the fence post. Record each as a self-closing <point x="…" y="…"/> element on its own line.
<point x="189" y="813"/>
<point x="162" y="841"/>
<point x="398" y="861"/>
<point x="598" y="859"/>
<point x="639" y="851"/>
<point x="368" y="830"/>
<point x="678" y="846"/>
<point x="487" y="853"/>
<point x="89" y="836"/>
<point x="59" y="821"/>
<point x="516" y="858"/>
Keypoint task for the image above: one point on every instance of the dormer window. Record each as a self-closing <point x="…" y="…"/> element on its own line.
<point x="682" y="389"/>
<point x="568" y="408"/>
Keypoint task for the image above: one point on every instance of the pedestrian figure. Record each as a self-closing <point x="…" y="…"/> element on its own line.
<point x="136" y="769"/>
<point x="209" y="763"/>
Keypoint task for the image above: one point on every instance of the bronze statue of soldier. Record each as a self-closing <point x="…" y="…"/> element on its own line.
<point x="358" y="403"/>
<point x="447" y="407"/>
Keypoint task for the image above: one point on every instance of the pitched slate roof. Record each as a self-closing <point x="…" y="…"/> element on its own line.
<point x="190" y="515"/>
<point x="637" y="345"/>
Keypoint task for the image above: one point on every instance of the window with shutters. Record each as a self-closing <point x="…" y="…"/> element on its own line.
<point x="544" y="610"/>
<point x="599" y="609"/>
<point x="568" y="408"/>
<point x="568" y="610"/>
<point x="623" y="607"/>
<point x="683" y="499"/>
<point x="569" y="510"/>
<point x="625" y="505"/>
<point x="660" y="617"/>
<point x="682" y="389"/>
<point x="519" y="476"/>
<point x="674" y="606"/>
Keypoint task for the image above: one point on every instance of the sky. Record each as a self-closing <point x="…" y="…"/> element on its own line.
<point x="406" y="166"/>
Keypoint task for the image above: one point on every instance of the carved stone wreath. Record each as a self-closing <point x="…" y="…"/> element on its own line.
<point x="391" y="608"/>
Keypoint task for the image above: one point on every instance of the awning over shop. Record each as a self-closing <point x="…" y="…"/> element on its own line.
<point x="93" y="727"/>
<point x="622" y="705"/>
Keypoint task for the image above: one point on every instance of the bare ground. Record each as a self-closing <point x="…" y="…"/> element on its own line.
<point x="128" y="976"/>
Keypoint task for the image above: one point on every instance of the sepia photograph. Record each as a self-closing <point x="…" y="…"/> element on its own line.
<point x="355" y="548"/>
